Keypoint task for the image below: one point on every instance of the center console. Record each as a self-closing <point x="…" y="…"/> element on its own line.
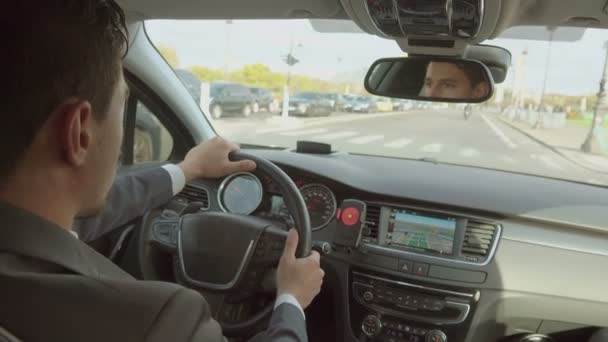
<point x="391" y="309"/>
<point x="414" y="271"/>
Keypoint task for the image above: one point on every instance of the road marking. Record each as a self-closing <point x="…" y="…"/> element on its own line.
<point x="598" y="161"/>
<point x="509" y="160"/>
<point x="335" y="135"/>
<point x="304" y="122"/>
<point x="549" y="162"/>
<point x="499" y="133"/>
<point x="399" y="143"/>
<point x="304" y="132"/>
<point x="365" y="139"/>
<point x="432" y="148"/>
<point x="469" y="152"/>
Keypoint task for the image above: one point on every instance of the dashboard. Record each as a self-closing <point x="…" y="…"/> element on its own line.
<point x="247" y="193"/>
<point x="440" y="252"/>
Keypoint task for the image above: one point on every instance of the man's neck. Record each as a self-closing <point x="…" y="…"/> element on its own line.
<point x="41" y="201"/>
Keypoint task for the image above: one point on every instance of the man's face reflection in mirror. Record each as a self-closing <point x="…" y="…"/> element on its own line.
<point x="454" y="81"/>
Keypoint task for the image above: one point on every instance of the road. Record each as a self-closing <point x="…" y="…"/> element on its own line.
<point x="438" y="135"/>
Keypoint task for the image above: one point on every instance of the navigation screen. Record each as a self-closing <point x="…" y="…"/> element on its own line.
<point x="428" y="233"/>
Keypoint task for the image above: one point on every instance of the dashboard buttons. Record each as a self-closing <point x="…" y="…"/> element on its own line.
<point x="421" y="269"/>
<point x="371" y="325"/>
<point x="368" y="296"/>
<point x="405" y="266"/>
<point x="436" y="336"/>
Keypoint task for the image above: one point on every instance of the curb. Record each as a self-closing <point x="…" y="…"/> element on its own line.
<point x="563" y="155"/>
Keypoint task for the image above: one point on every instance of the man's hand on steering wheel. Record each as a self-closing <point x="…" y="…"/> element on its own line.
<point x="301" y="278"/>
<point x="210" y="160"/>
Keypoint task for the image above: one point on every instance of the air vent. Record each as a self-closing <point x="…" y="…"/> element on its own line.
<point x="195" y="194"/>
<point x="372" y="221"/>
<point x="478" y="238"/>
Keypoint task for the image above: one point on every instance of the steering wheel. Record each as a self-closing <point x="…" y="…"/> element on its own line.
<point x="224" y="254"/>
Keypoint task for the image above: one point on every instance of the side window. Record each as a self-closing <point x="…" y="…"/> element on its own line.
<point x="151" y="140"/>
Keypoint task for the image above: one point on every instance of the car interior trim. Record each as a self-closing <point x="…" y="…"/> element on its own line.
<point x="416" y="286"/>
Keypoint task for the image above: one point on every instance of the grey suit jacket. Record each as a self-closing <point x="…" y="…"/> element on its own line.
<point x="53" y="287"/>
<point x="131" y="195"/>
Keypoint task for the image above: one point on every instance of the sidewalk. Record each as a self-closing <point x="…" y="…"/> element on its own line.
<point x="566" y="140"/>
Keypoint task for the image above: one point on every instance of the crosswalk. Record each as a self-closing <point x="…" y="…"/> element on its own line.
<point x="399" y="143"/>
<point x="426" y="148"/>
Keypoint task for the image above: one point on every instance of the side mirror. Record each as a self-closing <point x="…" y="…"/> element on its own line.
<point x="428" y="78"/>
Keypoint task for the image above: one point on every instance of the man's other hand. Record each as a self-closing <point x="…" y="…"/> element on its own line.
<point x="301" y="278"/>
<point x="210" y="160"/>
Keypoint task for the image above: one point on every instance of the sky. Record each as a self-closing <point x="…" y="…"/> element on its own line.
<point x="575" y="68"/>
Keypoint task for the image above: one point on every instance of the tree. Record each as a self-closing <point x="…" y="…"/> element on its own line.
<point x="170" y="55"/>
<point x="206" y="74"/>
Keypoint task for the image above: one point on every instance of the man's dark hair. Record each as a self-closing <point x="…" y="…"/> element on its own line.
<point x="474" y="74"/>
<point x="55" y="49"/>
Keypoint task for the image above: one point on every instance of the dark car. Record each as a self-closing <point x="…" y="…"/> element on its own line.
<point x="263" y="99"/>
<point x="337" y="101"/>
<point x="401" y="105"/>
<point x="365" y="104"/>
<point x="349" y="101"/>
<point x="310" y="104"/>
<point x="230" y="98"/>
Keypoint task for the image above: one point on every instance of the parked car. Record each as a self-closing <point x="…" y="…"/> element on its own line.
<point x="384" y="104"/>
<point x="349" y="101"/>
<point x="365" y="104"/>
<point x="263" y="99"/>
<point x="402" y="105"/>
<point x="310" y="104"/>
<point x="230" y="98"/>
<point x="337" y="101"/>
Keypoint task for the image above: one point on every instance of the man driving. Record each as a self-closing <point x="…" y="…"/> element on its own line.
<point x="63" y="99"/>
<point x="452" y="80"/>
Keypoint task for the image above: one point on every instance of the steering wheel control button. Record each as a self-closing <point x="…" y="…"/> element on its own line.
<point x="371" y="326"/>
<point x="350" y="224"/>
<point x="421" y="269"/>
<point x="165" y="234"/>
<point x="436" y="336"/>
<point x="405" y="266"/>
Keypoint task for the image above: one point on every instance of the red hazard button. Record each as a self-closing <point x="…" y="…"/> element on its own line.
<point x="350" y="216"/>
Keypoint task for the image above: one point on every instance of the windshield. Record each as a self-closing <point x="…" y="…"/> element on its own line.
<point x="538" y="121"/>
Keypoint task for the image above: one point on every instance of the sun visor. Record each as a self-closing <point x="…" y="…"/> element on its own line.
<point x="335" y="26"/>
<point x="560" y="34"/>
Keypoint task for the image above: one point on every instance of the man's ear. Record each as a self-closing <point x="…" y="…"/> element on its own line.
<point x="75" y="130"/>
<point x="481" y="90"/>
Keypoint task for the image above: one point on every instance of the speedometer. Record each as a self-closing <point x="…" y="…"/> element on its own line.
<point x="321" y="204"/>
<point x="240" y="193"/>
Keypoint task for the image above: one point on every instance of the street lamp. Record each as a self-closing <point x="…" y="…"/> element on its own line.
<point x="539" y="119"/>
<point x="595" y="141"/>
<point x="290" y="60"/>
<point x="228" y="47"/>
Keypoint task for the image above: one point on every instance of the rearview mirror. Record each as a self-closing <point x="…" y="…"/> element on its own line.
<point x="430" y="79"/>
